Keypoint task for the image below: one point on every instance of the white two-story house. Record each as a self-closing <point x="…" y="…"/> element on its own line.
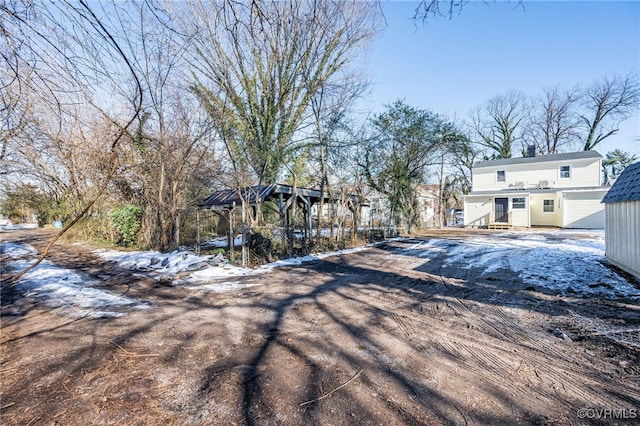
<point x="563" y="190"/>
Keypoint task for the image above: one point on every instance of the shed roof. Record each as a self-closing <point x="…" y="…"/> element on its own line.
<point x="626" y="187"/>
<point x="540" y="159"/>
<point x="227" y="198"/>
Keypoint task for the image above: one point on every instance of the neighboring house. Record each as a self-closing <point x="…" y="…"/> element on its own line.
<point x="378" y="213"/>
<point x="563" y="190"/>
<point x="622" y="212"/>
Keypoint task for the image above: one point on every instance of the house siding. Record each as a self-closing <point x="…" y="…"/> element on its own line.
<point x="477" y="211"/>
<point x="538" y="216"/>
<point x="520" y="217"/>
<point x="583" y="173"/>
<point x="584" y="210"/>
<point x="622" y="235"/>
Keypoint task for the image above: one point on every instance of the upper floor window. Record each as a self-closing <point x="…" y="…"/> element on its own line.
<point x="565" y="172"/>
<point x="501" y="176"/>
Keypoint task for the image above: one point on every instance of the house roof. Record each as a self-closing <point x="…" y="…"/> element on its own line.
<point x="540" y="159"/>
<point x="626" y="187"/>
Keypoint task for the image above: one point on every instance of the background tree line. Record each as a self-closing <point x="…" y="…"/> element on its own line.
<point x="558" y="120"/>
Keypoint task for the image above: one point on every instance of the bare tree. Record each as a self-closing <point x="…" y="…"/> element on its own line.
<point x="461" y="159"/>
<point x="330" y="106"/>
<point x="500" y="123"/>
<point x="71" y="55"/>
<point x="554" y="120"/>
<point x="258" y="65"/>
<point x="169" y="159"/>
<point x="608" y="102"/>
<point x="427" y="9"/>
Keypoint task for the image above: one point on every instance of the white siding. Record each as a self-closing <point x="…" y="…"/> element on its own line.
<point x="622" y="236"/>
<point x="584" y="210"/>
<point x="519" y="217"/>
<point x="584" y="173"/>
<point x="477" y="211"/>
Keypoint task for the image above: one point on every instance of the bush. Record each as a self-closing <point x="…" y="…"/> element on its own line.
<point x="127" y="219"/>
<point x="260" y="245"/>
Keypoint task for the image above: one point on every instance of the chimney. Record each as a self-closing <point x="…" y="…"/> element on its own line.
<point x="531" y="151"/>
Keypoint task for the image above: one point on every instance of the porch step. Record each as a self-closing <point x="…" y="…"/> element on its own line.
<point x="499" y="225"/>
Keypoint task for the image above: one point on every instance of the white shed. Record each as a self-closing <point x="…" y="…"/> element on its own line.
<point x="622" y="221"/>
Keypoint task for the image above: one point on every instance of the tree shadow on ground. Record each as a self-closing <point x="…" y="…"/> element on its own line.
<point x="347" y="283"/>
<point x="430" y="349"/>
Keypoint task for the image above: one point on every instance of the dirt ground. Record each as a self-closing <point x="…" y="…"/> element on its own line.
<point x="376" y="337"/>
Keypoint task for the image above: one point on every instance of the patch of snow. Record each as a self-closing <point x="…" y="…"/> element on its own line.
<point x="17" y="227"/>
<point x="17" y="250"/>
<point x="168" y="264"/>
<point x="171" y="264"/>
<point x="215" y="272"/>
<point x="570" y="266"/>
<point x="58" y="287"/>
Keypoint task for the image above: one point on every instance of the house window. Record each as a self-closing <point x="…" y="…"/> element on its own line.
<point x="518" y="203"/>
<point x="501" y="176"/>
<point x="565" y="172"/>
<point x="548" y="206"/>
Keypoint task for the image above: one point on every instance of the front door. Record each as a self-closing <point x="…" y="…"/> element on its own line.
<point x="501" y="210"/>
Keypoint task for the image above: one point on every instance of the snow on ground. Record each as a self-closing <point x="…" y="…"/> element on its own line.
<point x="168" y="264"/>
<point x="12" y="227"/>
<point x="17" y="250"/>
<point x="171" y="264"/>
<point x="564" y="261"/>
<point x="62" y="288"/>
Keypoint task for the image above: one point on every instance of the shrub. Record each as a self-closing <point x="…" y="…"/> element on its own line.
<point x="127" y="219"/>
<point x="260" y="245"/>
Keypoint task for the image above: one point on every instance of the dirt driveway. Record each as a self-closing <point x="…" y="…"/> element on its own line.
<point x="386" y="336"/>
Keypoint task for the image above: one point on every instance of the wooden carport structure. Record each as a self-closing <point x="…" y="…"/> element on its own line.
<point x="286" y="198"/>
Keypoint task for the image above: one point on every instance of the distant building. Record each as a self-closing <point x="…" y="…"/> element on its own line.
<point x="563" y="190"/>
<point x="622" y="213"/>
<point x="378" y="213"/>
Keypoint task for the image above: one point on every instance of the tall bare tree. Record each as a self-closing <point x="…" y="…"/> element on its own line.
<point x="258" y="65"/>
<point x="608" y="102"/>
<point x="554" y="120"/>
<point x="169" y="159"/>
<point x="500" y="123"/>
<point x="461" y="159"/>
<point x="330" y="107"/>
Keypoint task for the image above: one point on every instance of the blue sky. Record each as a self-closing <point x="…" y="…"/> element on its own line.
<point x="451" y="66"/>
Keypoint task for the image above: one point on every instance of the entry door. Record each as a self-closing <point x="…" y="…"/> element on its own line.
<point x="501" y="210"/>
